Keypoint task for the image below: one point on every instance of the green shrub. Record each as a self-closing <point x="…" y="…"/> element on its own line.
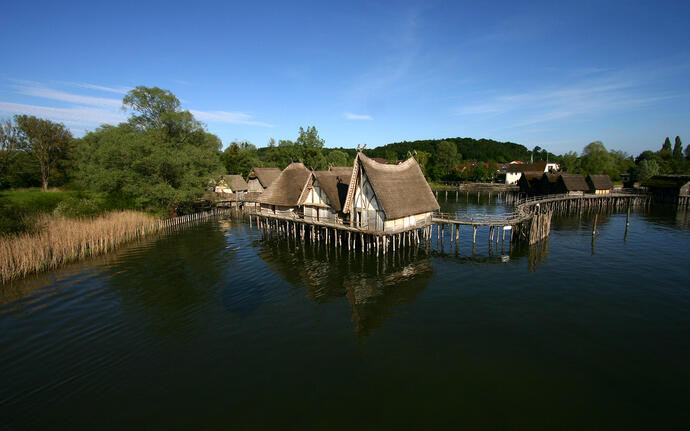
<point x="74" y="207"/>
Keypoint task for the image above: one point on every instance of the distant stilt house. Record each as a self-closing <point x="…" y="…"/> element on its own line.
<point x="283" y="195"/>
<point x="599" y="184"/>
<point x="324" y="195"/>
<point x="571" y="184"/>
<point x="232" y="184"/>
<point x="388" y="198"/>
<point x="547" y="184"/>
<point x="668" y="188"/>
<point x="529" y="182"/>
<point x="260" y="178"/>
<point x="515" y="170"/>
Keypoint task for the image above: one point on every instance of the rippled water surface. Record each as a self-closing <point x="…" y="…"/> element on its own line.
<point x="213" y="327"/>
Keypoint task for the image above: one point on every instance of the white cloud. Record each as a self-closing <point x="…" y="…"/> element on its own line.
<point x="48" y="93"/>
<point x="610" y="93"/>
<point x="118" y="90"/>
<point x="94" y="111"/>
<point x="351" y="116"/>
<point x="77" y="116"/>
<point x="227" y="117"/>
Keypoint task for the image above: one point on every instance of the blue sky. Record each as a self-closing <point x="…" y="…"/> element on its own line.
<point x="554" y="74"/>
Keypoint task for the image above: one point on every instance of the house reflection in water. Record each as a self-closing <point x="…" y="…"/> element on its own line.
<point x="373" y="287"/>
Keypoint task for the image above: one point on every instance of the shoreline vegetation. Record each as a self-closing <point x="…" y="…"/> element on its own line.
<point x="58" y="240"/>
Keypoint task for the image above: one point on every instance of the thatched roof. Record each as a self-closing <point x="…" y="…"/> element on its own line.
<point x="527" y="167"/>
<point x="599" y="182"/>
<point x="266" y="176"/>
<point x="529" y="179"/>
<point x="333" y="184"/>
<point x="552" y="178"/>
<point x="287" y="188"/>
<point x="574" y="182"/>
<point x="341" y="170"/>
<point x="251" y="196"/>
<point x="235" y="182"/>
<point x="401" y="189"/>
<point x="667" y="181"/>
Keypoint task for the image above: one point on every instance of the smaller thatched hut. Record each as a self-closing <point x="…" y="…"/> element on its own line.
<point x="514" y="171"/>
<point x="529" y="183"/>
<point x="547" y="184"/>
<point x="324" y="195"/>
<point x="283" y="195"/>
<point x="599" y="184"/>
<point x="231" y="184"/>
<point x="667" y="188"/>
<point x="260" y="178"/>
<point x="571" y="184"/>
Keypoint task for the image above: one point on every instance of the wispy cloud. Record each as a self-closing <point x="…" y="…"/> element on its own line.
<point x="89" y="111"/>
<point x="76" y="116"/>
<point x="227" y="117"/>
<point x="48" y="93"/>
<point x="402" y="47"/>
<point x="605" y="93"/>
<point x="117" y="90"/>
<point x="351" y="116"/>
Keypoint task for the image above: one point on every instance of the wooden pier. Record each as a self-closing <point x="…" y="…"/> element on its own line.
<point x="530" y="222"/>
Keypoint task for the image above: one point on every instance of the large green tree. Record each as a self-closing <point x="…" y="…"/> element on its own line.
<point x="571" y="163"/>
<point x="45" y="140"/>
<point x="337" y="158"/>
<point x="646" y="170"/>
<point x="446" y="157"/>
<point x="678" y="149"/>
<point x="161" y="158"/>
<point x="311" y="144"/>
<point x="666" y="152"/>
<point x="240" y="158"/>
<point x="9" y="140"/>
<point x="596" y="159"/>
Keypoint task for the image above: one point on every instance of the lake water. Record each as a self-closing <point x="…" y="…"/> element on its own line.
<point x="212" y="327"/>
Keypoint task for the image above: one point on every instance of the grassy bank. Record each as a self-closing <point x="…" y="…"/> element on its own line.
<point x="57" y="240"/>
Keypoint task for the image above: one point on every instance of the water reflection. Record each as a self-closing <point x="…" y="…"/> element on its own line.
<point x="171" y="282"/>
<point x="373" y="286"/>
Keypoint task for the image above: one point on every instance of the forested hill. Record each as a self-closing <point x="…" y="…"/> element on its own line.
<point x="468" y="148"/>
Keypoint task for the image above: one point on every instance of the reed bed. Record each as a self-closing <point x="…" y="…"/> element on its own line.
<point x="60" y="240"/>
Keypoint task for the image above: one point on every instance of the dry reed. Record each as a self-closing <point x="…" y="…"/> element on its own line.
<point x="60" y="240"/>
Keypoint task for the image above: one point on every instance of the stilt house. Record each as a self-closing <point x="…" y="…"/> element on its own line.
<point x="283" y="195"/>
<point x="668" y="188"/>
<point x="515" y="171"/>
<point x="529" y="182"/>
<point x="231" y="184"/>
<point x="571" y="184"/>
<point x="548" y="182"/>
<point x="260" y="178"/>
<point x="388" y="198"/>
<point x="599" y="184"/>
<point x="324" y="195"/>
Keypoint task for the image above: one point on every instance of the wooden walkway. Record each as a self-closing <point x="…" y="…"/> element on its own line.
<point x="531" y="218"/>
<point x="529" y="221"/>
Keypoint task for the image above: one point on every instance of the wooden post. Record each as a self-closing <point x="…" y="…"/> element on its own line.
<point x="474" y="234"/>
<point x="594" y="229"/>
